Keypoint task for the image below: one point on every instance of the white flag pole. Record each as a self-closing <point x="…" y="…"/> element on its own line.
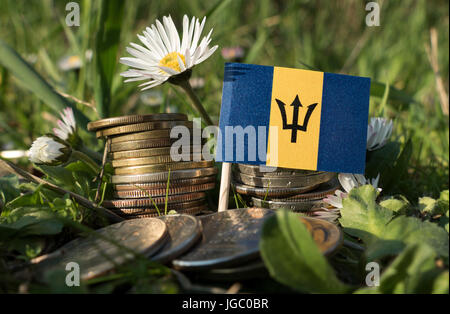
<point x="225" y="182"/>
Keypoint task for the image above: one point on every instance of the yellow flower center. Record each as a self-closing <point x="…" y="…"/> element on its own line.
<point x="74" y="59"/>
<point x="171" y="61"/>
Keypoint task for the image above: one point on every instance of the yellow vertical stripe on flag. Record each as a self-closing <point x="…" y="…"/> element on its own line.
<point x="287" y="85"/>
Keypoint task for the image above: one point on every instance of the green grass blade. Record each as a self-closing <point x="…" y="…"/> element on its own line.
<point x="217" y="8"/>
<point x="34" y="82"/>
<point x="396" y="96"/>
<point x="381" y="111"/>
<point x="167" y="194"/>
<point x="105" y="56"/>
<point x="150" y="197"/>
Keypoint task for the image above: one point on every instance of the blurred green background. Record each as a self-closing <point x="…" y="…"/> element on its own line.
<point x="399" y="56"/>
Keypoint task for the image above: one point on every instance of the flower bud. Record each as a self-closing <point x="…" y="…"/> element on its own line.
<point x="50" y="150"/>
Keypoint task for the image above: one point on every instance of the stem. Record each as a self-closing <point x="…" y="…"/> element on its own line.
<point x="195" y="101"/>
<point x="102" y="169"/>
<point x="85" y="158"/>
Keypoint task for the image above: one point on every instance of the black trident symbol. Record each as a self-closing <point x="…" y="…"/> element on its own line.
<point x="295" y="126"/>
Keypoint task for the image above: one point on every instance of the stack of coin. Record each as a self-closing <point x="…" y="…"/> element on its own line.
<point x="275" y="188"/>
<point x="148" y="173"/>
<point x="229" y="249"/>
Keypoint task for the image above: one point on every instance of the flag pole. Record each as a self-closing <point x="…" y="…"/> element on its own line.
<point x="225" y="182"/>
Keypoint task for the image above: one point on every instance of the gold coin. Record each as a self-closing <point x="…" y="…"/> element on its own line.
<point x="139" y="202"/>
<point x="149" y="152"/>
<point x="163" y="167"/>
<point x="152" y="160"/>
<point x="266" y="171"/>
<point x="152" y="209"/>
<point x="140" y="127"/>
<point x="163" y="185"/>
<point x="123" y="120"/>
<point x="189" y="211"/>
<point x="149" y="143"/>
<point x="162" y="176"/>
<point x="146" y="143"/>
<point x="327" y="235"/>
<point x="271" y="192"/>
<point x="140" y="193"/>
<point x="165" y="133"/>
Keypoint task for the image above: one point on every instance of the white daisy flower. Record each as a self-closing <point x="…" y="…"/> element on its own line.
<point x="328" y="214"/>
<point x="349" y="181"/>
<point x="164" y="55"/>
<point x="73" y="62"/>
<point x="70" y="63"/>
<point x="67" y="126"/>
<point x="49" y="150"/>
<point x="335" y="200"/>
<point x="378" y="133"/>
<point x="232" y="53"/>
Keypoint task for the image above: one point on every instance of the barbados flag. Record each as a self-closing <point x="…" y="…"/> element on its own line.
<point x="292" y="118"/>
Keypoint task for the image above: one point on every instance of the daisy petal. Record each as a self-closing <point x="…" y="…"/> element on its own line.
<point x="168" y="70"/>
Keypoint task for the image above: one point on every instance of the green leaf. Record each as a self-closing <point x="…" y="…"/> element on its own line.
<point x="30" y="247"/>
<point x="35" y="221"/>
<point x="11" y="60"/>
<point x="29" y="199"/>
<point x="444" y="220"/>
<point x="80" y="166"/>
<point x="443" y="202"/>
<point x="105" y="56"/>
<point x="9" y="188"/>
<point x="434" y="207"/>
<point x="362" y="217"/>
<point x="411" y="230"/>
<point x="39" y="223"/>
<point x="413" y="271"/>
<point x="441" y="284"/>
<point x="427" y="204"/>
<point x="444" y="197"/>
<point x="293" y="258"/>
<point x="398" y="206"/>
<point x="407" y="267"/>
<point x="60" y="175"/>
<point x="443" y="205"/>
